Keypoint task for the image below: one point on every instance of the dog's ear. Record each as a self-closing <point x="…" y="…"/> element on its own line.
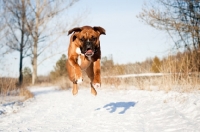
<point x="100" y="30"/>
<point x="74" y="37"/>
<point x="77" y="29"/>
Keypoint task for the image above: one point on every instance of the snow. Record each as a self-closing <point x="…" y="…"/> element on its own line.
<point x="137" y="75"/>
<point x="111" y="110"/>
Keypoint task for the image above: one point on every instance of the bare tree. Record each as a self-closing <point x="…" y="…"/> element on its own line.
<point x="17" y="37"/>
<point x="41" y="27"/>
<point x="181" y="20"/>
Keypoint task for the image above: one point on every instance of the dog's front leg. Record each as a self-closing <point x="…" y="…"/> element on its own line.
<point x="74" y="70"/>
<point x="97" y="74"/>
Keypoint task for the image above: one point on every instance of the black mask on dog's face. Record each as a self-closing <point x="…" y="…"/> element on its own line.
<point x="88" y="46"/>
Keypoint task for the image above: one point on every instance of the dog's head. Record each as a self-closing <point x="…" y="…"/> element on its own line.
<point x="87" y="38"/>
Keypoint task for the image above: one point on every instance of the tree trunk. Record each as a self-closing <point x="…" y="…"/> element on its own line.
<point x="20" y="68"/>
<point x="22" y="45"/>
<point x="35" y="47"/>
<point x="34" y="63"/>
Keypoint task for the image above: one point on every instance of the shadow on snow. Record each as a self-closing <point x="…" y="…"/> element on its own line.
<point x="112" y="107"/>
<point x="43" y="91"/>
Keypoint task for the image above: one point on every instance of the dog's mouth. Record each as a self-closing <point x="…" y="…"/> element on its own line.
<point x="89" y="52"/>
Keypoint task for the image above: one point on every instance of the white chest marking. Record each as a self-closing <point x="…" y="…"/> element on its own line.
<point x="78" y="51"/>
<point x="79" y="60"/>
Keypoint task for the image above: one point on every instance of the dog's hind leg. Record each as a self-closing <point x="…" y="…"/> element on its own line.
<point x="90" y="74"/>
<point x="93" y="90"/>
<point x="97" y="74"/>
<point x="75" y="89"/>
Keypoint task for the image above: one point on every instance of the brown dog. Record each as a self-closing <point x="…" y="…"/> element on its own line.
<point x="84" y="53"/>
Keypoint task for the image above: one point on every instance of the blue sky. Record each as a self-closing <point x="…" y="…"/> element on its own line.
<point x="127" y="39"/>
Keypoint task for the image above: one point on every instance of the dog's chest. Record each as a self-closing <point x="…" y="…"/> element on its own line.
<point x="83" y="62"/>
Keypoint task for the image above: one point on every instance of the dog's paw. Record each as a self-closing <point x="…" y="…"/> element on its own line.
<point x="96" y="85"/>
<point x="80" y="80"/>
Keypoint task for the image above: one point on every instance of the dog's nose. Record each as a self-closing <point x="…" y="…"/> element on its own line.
<point x="88" y="45"/>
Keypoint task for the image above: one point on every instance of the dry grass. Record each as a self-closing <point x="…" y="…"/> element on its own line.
<point x="7" y="85"/>
<point x="63" y="83"/>
<point x="181" y="73"/>
<point x="166" y="82"/>
<point x="180" y="82"/>
<point x="25" y="93"/>
<point x="126" y="83"/>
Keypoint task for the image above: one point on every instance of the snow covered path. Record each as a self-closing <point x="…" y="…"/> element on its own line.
<point x="110" y="111"/>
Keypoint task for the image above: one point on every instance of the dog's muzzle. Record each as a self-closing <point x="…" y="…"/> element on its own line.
<point x="88" y="49"/>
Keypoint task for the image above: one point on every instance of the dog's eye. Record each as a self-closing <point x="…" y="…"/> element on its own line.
<point x="93" y="39"/>
<point x="82" y="39"/>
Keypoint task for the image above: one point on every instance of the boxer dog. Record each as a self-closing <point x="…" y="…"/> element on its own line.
<point x="84" y="53"/>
